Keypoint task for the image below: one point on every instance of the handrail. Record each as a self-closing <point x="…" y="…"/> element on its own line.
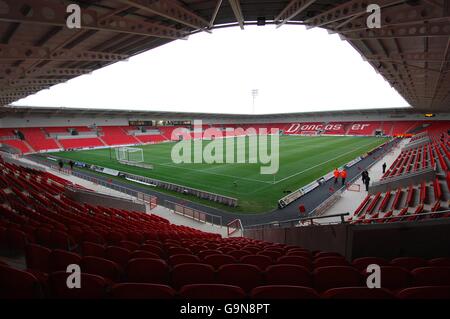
<point x="364" y="221"/>
<point x="238" y="227"/>
<point x="193" y="213"/>
<point x="297" y="220"/>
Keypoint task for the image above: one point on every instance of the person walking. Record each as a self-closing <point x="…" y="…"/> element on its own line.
<point x="367" y="182"/>
<point x="336" y="174"/>
<point x="384" y="167"/>
<point x="343" y="176"/>
<point x="364" y="175"/>
<point x="71" y="164"/>
<point x="60" y="164"/>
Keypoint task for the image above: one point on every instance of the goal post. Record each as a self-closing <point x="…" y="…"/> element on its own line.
<point x="130" y="154"/>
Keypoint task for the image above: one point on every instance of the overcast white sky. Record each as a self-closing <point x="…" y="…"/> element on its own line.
<point x="294" y="69"/>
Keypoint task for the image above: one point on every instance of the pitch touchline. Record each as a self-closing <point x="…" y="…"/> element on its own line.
<point x="312" y="167"/>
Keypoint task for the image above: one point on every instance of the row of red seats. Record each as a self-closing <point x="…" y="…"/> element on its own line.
<point x="288" y="281"/>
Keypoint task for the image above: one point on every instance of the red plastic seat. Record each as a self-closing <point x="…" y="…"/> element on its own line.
<point x="322" y="254"/>
<point x="291" y="275"/>
<point x="272" y="254"/>
<point x="101" y="267"/>
<point x="119" y="255"/>
<point x="393" y="278"/>
<point x="153" y="249"/>
<point x="219" y="260"/>
<point x="92" y="286"/>
<point x="58" y="260"/>
<point x="17" y="239"/>
<point x="192" y="273"/>
<point x="178" y="251"/>
<point x="245" y="276"/>
<point x="37" y="257"/>
<point x="357" y="293"/>
<point x="439" y="262"/>
<point x="238" y="254"/>
<point x="17" y="284"/>
<point x="141" y="291"/>
<point x="42" y="235"/>
<point x="61" y="240"/>
<point x="208" y="252"/>
<point x="183" y="259"/>
<point x="295" y="260"/>
<point x="363" y="262"/>
<point x="92" y="249"/>
<point x="409" y="262"/>
<point x="427" y="292"/>
<point x="330" y="261"/>
<point x="325" y="278"/>
<point x="147" y="270"/>
<point x="93" y="237"/>
<point x="114" y="238"/>
<point x="431" y="276"/>
<point x="283" y="292"/>
<point x="143" y="254"/>
<point x="258" y="260"/>
<point x="130" y="245"/>
<point x="135" y="237"/>
<point x="300" y="253"/>
<point x="211" y="291"/>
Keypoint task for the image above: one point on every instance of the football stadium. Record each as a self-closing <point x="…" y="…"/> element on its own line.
<point x="124" y="203"/>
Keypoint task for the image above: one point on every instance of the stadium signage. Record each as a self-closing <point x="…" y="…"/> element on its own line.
<point x="302" y="127"/>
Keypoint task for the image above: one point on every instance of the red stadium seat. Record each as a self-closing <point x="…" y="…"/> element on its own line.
<point x="60" y="259"/>
<point x="427" y="292"/>
<point x="325" y="278"/>
<point x="61" y="240"/>
<point x="330" y="261"/>
<point x="292" y="275"/>
<point x="409" y="262"/>
<point x="393" y="278"/>
<point x="183" y="259"/>
<point x="114" y="238"/>
<point x="17" y="239"/>
<point x="295" y="260"/>
<point x="192" y="273"/>
<point x="211" y="291"/>
<point x="202" y="254"/>
<point x="258" y="260"/>
<point x="141" y="291"/>
<point x="118" y="254"/>
<point x="238" y="254"/>
<point x="147" y="270"/>
<point x="131" y="246"/>
<point x="219" y="260"/>
<point x="322" y="254"/>
<point x="92" y="249"/>
<point x="37" y="257"/>
<point x="153" y="249"/>
<point x="431" y="276"/>
<point x="246" y="276"/>
<point x="101" y="267"/>
<point x="357" y="293"/>
<point x="17" y="284"/>
<point x="143" y="254"/>
<point x="93" y="237"/>
<point x="92" y="286"/>
<point x="178" y="251"/>
<point x="272" y="254"/>
<point x="283" y="292"/>
<point x="363" y="262"/>
<point x="439" y="262"/>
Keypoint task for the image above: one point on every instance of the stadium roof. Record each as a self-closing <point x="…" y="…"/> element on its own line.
<point x="411" y="49"/>
<point x="49" y="112"/>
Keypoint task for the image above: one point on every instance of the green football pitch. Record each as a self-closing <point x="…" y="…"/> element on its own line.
<point x="301" y="161"/>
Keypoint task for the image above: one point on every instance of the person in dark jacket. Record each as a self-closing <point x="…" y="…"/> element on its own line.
<point x="384" y="167"/>
<point x="367" y="182"/>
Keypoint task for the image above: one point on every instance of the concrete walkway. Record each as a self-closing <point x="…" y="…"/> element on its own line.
<point x="356" y="192"/>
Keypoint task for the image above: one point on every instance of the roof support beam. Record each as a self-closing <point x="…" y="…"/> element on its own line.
<point x="50" y="13"/>
<point x="170" y="10"/>
<point x="216" y="11"/>
<point x="8" y="52"/>
<point x="293" y="9"/>
<point x="28" y="82"/>
<point x="432" y="29"/>
<point x="408" y="57"/>
<point x="236" y="7"/>
<point x="17" y="72"/>
<point x="346" y="11"/>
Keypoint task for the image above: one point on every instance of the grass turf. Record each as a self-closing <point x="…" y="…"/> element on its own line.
<point x="302" y="160"/>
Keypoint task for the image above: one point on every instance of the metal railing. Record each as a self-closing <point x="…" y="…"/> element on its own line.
<point x="194" y="214"/>
<point x="403" y="218"/>
<point x="234" y="226"/>
<point x="296" y="222"/>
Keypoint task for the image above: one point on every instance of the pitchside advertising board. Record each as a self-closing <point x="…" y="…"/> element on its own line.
<point x="296" y="128"/>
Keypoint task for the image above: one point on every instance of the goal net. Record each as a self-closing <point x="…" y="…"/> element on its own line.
<point x="130" y="154"/>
